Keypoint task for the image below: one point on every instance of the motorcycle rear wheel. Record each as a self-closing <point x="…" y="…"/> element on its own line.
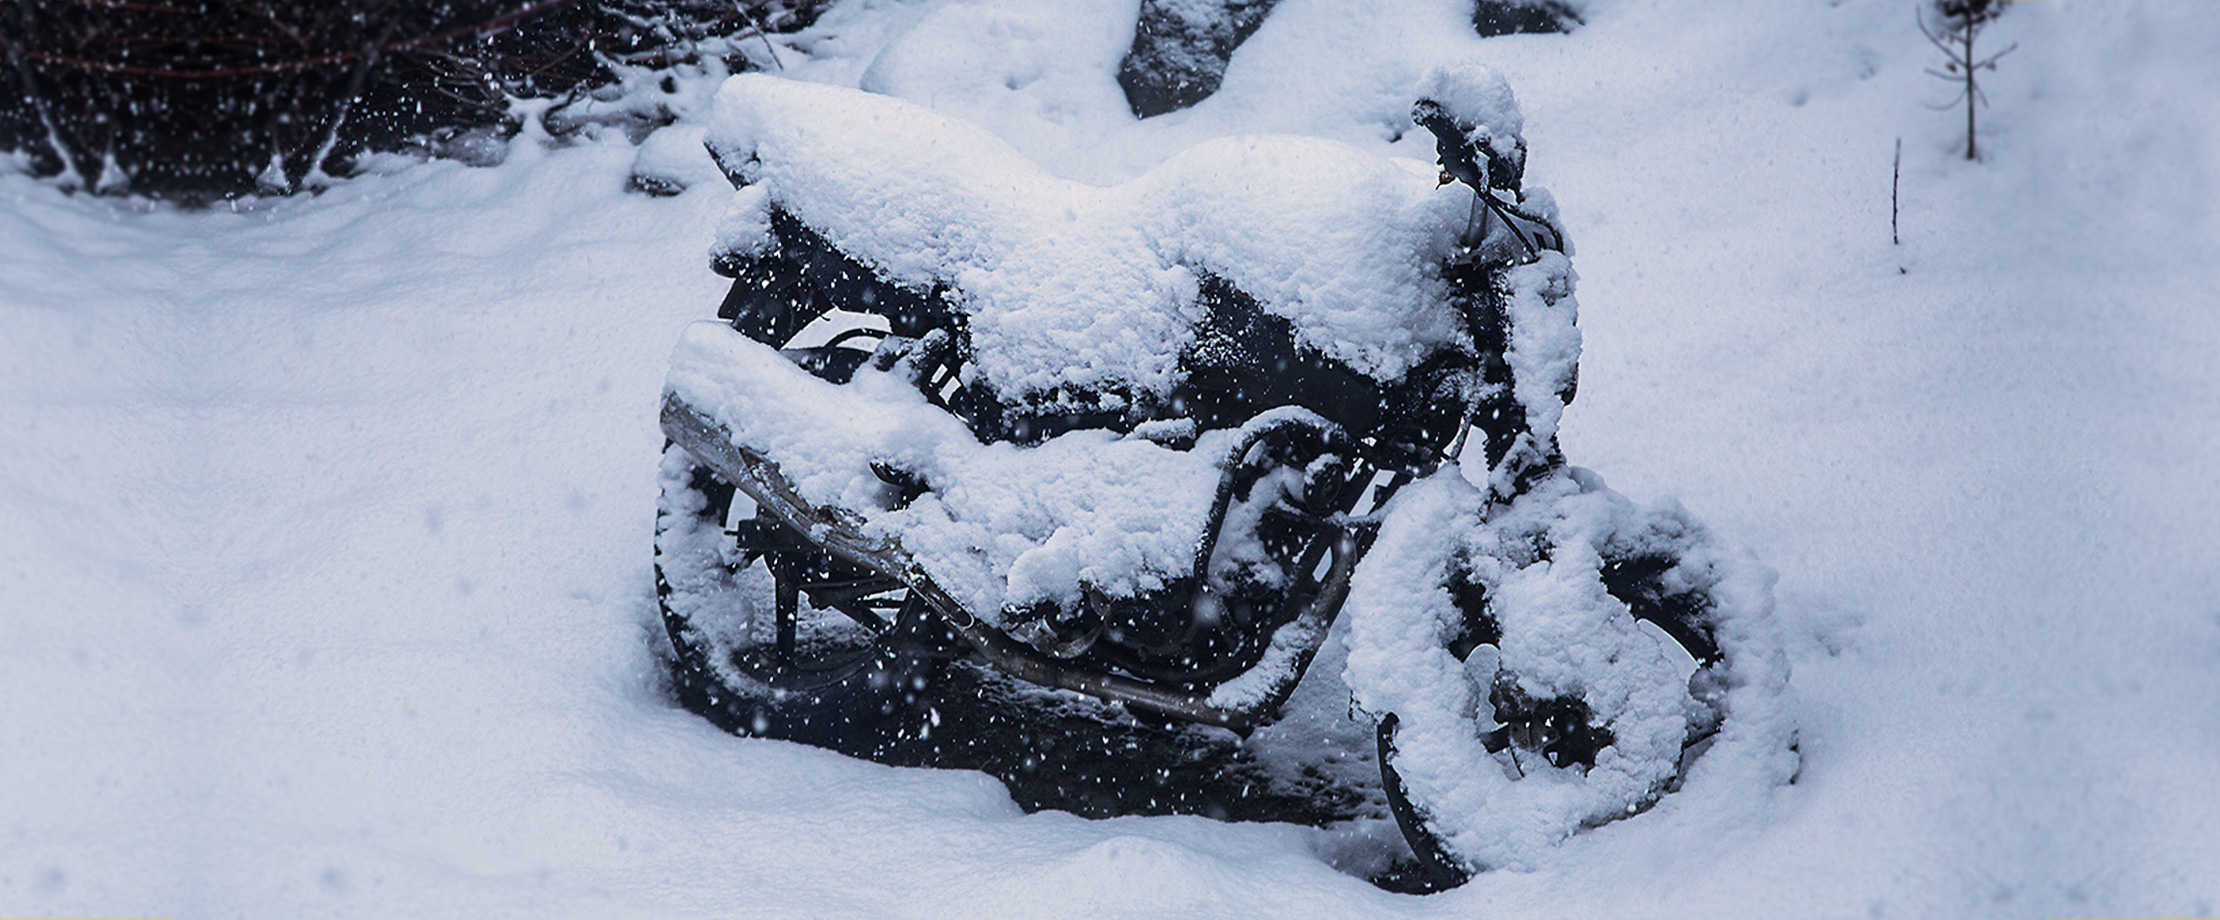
<point x="912" y="695"/>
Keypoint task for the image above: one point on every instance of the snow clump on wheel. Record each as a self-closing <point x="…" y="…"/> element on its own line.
<point x="1559" y="663"/>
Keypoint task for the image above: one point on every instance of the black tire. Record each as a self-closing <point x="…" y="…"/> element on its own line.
<point x="910" y="695"/>
<point x="774" y="638"/>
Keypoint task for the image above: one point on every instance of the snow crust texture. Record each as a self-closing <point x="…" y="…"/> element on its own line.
<point x="323" y="582"/>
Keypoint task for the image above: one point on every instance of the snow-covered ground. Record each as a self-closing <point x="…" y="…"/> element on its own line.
<point x="325" y="524"/>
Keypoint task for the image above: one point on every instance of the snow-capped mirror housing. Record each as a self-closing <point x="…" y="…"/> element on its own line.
<point x="1469" y="153"/>
<point x="1476" y="124"/>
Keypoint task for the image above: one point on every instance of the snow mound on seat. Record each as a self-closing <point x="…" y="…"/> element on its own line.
<point x="1078" y="285"/>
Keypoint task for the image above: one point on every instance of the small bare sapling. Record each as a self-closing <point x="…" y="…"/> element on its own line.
<point x="1957" y="24"/>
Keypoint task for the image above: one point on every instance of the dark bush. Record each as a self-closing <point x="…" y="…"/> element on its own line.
<point x="1180" y="51"/>
<point x="1181" y="47"/>
<point x="206" y="100"/>
<point x="1513" y="17"/>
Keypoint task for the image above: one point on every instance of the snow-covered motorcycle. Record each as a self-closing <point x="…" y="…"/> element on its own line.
<point x="981" y="467"/>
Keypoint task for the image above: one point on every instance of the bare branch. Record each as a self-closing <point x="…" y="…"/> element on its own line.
<point x="1932" y="37"/>
<point x="1990" y="61"/>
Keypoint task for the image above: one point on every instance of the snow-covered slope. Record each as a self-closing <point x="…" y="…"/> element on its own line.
<point x="324" y="524"/>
